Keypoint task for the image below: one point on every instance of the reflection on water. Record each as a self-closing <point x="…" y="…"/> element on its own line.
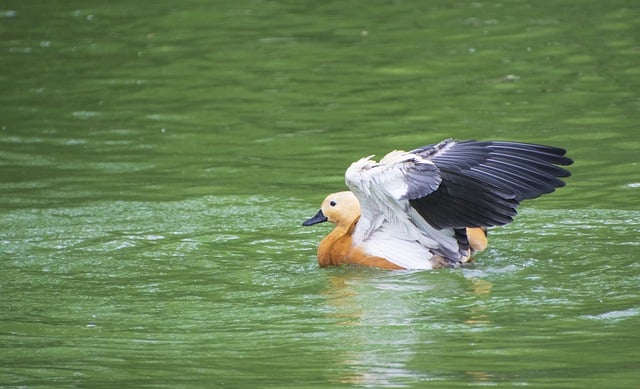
<point x="378" y="311"/>
<point x="481" y="288"/>
<point x="375" y="354"/>
<point x="342" y="300"/>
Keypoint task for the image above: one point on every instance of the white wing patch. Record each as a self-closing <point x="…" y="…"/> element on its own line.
<point x="389" y="227"/>
<point x="399" y="175"/>
<point x="407" y="254"/>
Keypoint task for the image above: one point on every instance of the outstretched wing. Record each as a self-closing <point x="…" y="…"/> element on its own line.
<point x="389" y="226"/>
<point x="426" y="197"/>
<point x="482" y="183"/>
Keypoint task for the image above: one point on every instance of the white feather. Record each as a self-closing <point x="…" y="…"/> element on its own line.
<point x="389" y="227"/>
<point x="407" y="254"/>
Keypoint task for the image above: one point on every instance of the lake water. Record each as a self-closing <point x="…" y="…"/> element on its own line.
<point x="158" y="158"/>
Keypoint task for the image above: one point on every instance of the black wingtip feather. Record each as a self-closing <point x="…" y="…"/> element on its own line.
<point x="484" y="181"/>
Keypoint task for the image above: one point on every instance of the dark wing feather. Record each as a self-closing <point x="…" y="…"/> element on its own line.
<point x="483" y="182"/>
<point x="421" y="179"/>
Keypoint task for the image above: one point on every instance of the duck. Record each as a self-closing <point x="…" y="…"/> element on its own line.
<point x="430" y="207"/>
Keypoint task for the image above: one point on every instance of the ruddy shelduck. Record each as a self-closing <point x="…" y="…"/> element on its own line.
<point x="430" y="207"/>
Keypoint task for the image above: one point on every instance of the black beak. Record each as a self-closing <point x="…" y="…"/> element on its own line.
<point x="318" y="218"/>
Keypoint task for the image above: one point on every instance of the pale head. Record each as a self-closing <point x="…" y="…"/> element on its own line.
<point x="340" y="208"/>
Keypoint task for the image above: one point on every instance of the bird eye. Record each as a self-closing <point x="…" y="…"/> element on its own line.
<point x="332" y="203"/>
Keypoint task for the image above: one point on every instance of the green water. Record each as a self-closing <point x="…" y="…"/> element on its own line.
<point x="157" y="159"/>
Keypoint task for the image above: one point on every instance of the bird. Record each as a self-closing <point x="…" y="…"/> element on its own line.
<point x="430" y="207"/>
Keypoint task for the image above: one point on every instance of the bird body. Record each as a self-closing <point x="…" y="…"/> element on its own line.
<point x="430" y="207"/>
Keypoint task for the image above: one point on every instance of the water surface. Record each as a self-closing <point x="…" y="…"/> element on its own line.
<point x="156" y="161"/>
